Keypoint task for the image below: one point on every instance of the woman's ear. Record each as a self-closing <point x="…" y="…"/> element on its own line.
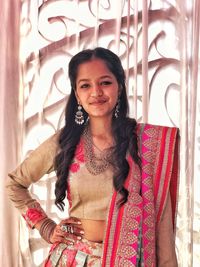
<point x="77" y="98"/>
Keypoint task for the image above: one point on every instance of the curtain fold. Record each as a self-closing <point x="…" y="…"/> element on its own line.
<point x="189" y="214"/>
<point x="9" y="126"/>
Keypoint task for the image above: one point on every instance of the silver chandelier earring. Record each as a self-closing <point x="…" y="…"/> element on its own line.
<point x="79" y="118"/>
<point x="117" y="109"/>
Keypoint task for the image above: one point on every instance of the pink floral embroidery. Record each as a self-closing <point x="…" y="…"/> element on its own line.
<point x="78" y="158"/>
<point x="68" y="255"/>
<point x="71" y="254"/>
<point x="79" y="154"/>
<point x="34" y="215"/>
<point x="84" y="247"/>
<point x="74" y="167"/>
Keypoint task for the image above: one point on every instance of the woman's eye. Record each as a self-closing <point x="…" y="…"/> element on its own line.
<point x="85" y="85"/>
<point x="106" y="82"/>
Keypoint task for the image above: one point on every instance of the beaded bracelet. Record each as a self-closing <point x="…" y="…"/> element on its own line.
<point x="46" y="229"/>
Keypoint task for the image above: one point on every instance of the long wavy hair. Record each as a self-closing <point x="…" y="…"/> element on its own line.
<point x="123" y="127"/>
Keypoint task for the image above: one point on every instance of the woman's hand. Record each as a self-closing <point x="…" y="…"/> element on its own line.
<point x="68" y="231"/>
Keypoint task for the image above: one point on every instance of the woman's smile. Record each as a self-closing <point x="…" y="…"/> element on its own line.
<point x="98" y="102"/>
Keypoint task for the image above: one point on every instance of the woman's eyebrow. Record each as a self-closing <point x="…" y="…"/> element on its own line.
<point x="83" y="80"/>
<point x="105" y="76"/>
<point x="102" y="77"/>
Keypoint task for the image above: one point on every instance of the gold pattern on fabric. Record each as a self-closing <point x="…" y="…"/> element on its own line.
<point x="134" y="198"/>
<point x="149" y="235"/>
<point x="129" y="236"/>
<point x="125" y="263"/>
<point x="151" y="132"/>
<point x="149" y="249"/>
<point x="148" y="181"/>
<point x="130" y="223"/>
<point x="112" y="228"/>
<point x="136" y="212"/>
<point x="150" y="144"/>
<point x="126" y="251"/>
<point x="149" y="165"/>
<point x="136" y="188"/>
<point x="148" y="208"/>
<point x="149" y="262"/>
<point x="132" y="213"/>
<point x="149" y="221"/>
<point x="149" y="196"/>
<point x="149" y="156"/>
<point x="163" y="172"/>
<point x="148" y="168"/>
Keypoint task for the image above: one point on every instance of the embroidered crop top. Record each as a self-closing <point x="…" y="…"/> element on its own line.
<point x="88" y="195"/>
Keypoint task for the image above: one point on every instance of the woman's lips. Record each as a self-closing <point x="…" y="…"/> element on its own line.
<point x="98" y="102"/>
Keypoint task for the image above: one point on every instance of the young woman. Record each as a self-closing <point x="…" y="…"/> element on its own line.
<point x="119" y="177"/>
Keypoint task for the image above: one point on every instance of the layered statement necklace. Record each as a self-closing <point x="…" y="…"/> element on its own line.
<point x="96" y="163"/>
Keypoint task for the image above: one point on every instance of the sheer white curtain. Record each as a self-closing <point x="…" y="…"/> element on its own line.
<point x="158" y="42"/>
<point x="9" y="126"/>
<point x="189" y="201"/>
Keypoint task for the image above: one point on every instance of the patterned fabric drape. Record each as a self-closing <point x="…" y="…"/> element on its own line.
<point x="158" y="43"/>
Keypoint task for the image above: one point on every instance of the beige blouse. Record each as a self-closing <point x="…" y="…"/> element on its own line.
<point x="89" y="194"/>
<point x="33" y="168"/>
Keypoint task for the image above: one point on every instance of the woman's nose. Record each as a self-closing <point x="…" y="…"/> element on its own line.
<point x="96" y="91"/>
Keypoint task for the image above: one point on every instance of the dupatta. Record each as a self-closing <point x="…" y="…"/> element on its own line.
<point x="148" y="189"/>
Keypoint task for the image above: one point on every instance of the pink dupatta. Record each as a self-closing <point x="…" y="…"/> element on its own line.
<point x="147" y="198"/>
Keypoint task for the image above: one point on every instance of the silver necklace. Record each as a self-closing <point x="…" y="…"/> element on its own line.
<point x="96" y="164"/>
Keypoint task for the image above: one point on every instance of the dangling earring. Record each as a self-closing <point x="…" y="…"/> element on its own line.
<point x="79" y="119"/>
<point x="117" y="109"/>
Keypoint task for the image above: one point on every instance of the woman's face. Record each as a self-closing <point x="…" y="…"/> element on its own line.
<point x="97" y="89"/>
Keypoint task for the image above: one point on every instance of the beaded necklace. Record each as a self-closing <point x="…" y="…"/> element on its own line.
<point x="96" y="164"/>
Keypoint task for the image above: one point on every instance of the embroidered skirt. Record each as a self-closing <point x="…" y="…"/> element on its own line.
<point x="83" y="253"/>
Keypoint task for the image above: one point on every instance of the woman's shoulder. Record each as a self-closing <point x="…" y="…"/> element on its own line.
<point x="53" y="139"/>
<point x="49" y="146"/>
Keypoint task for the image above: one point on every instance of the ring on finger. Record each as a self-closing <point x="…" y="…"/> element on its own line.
<point x="67" y="228"/>
<point x="70" y="241"/>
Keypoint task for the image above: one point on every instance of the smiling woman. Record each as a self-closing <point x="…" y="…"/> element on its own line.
<point x="119" y="176"/>
<point x="97" y="89"/>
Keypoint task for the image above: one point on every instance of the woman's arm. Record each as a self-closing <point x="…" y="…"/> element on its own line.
<point x="166" y="254"/>
<point x="39" y="163"/>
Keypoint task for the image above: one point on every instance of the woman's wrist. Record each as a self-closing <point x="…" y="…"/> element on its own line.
<point x="46" y="229"/>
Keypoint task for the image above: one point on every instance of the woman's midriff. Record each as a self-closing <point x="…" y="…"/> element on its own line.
<point x="93" y="230"/>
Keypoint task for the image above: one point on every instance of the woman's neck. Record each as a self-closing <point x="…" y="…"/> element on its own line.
<point x="100" y="127"/>
<point x="101" y="133"/>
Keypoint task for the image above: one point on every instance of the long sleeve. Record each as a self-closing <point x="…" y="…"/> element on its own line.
<point x="33" y="168"/>
<point x="165" y="239"/>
